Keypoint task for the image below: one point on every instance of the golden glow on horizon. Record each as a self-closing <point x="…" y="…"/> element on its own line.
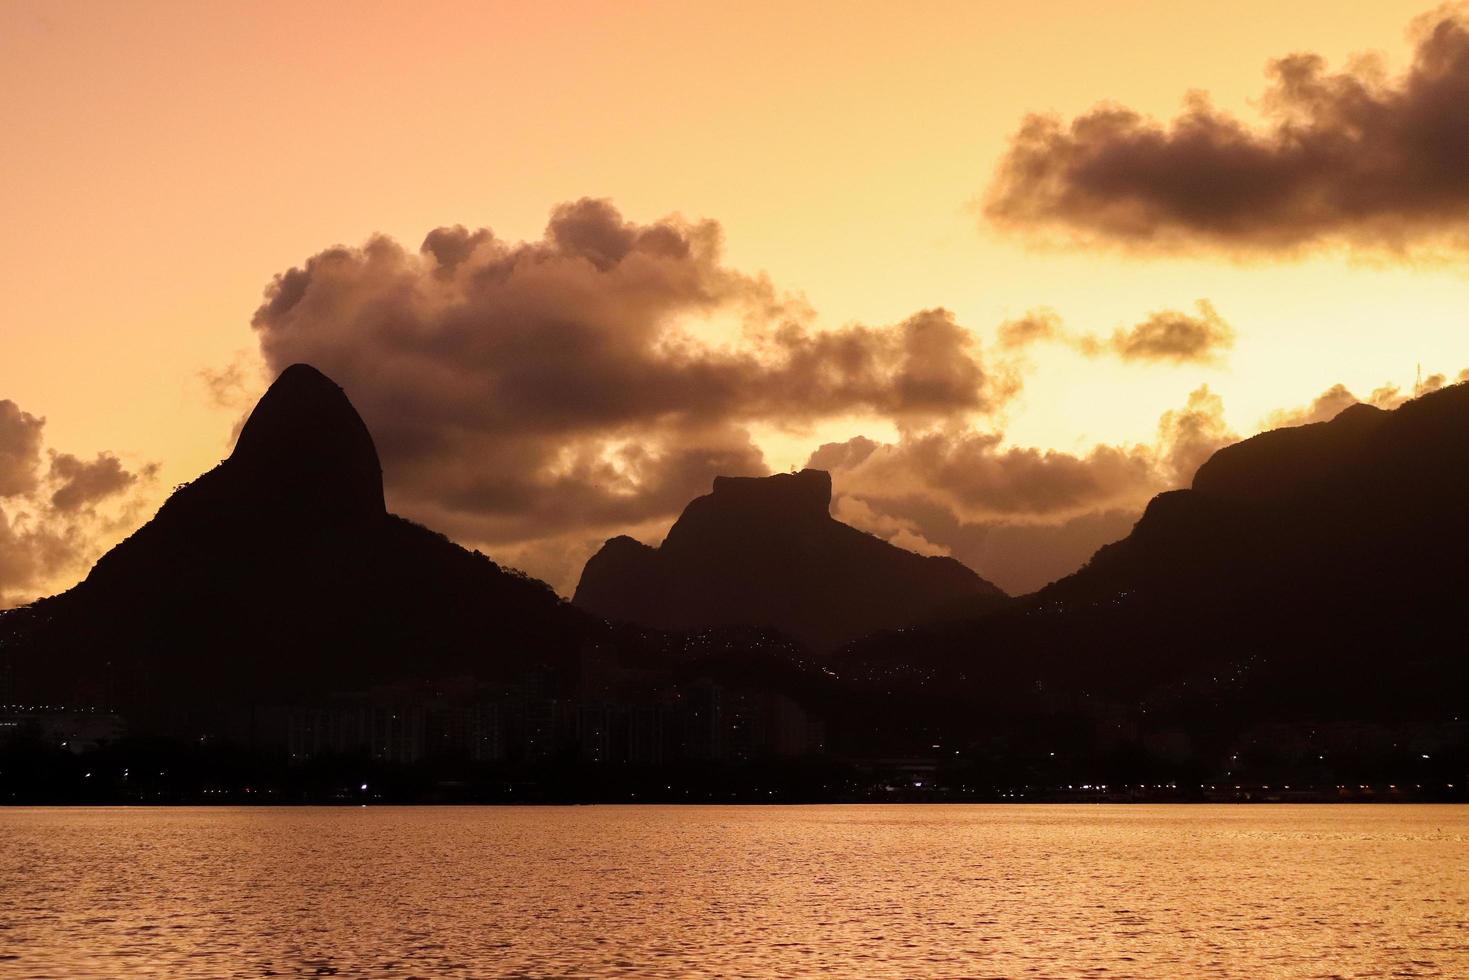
<point x="163" y="161"/>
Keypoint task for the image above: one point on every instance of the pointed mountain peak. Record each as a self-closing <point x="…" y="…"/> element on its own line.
<point x="305" y="444"/>
<point x="299" y="395"/>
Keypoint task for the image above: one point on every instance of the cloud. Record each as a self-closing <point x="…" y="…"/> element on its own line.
<point x="237" y="385"/>
<point x="55" y="519"/>
<point x="520" y="391"/>
<point x="1190" y="435"/>
<point x="1348" y="158"/>
<point x="1037" y="326"/>
<point x="1169" y="335"/>
<point x="1166" y="335"/>
<point x="534" y="398"/>
<point x="1019" y="556"/>
<point x="20" y="449"/>
<point x="81" y="483"/>
<point x="1020" y="517"/>
<point x="1327" y="405"/>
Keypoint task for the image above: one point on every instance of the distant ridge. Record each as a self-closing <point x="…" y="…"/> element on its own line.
<point x="1370" y="500"/>
<point x="1318" y="573"/>
<point x="766" y="552"/>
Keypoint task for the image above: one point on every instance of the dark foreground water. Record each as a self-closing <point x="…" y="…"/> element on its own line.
<point x="861" y="891"/>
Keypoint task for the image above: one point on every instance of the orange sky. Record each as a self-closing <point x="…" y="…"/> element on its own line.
<point x="162" y="161"/>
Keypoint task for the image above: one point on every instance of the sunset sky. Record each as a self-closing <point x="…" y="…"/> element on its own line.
<point x="725" y="236"/>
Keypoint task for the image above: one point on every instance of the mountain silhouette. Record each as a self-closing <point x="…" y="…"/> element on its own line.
<point x="1369" y="503"/>
<point x="1309" y="574"/>
<point x="279" y="574"/>
<point x="1310" y="584"/>
<point x="766" y="552"/>
<point x="305" y="450"/>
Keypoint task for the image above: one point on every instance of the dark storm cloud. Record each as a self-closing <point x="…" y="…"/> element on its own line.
<point x="1167" y="335"/>
<point x="1344" y="158"/>
<point x="56" y="519"/>
<point x="520" y="390"/>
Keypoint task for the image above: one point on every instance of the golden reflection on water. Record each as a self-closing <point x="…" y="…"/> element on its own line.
<point x="860" y="891"/>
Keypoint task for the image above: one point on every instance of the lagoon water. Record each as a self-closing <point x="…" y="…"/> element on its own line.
<point x="859" y="891"/>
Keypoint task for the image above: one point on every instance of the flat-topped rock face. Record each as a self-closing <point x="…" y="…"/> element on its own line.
<point x="803" y="494"/>
<point x="766" y="552"/>
<point x="752" y="505"/>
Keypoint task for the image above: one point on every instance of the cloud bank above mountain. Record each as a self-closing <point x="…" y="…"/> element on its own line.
<point x="569" y="385"/>
<point x="1020" y="517"/>
<point x="534" y="398"/>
